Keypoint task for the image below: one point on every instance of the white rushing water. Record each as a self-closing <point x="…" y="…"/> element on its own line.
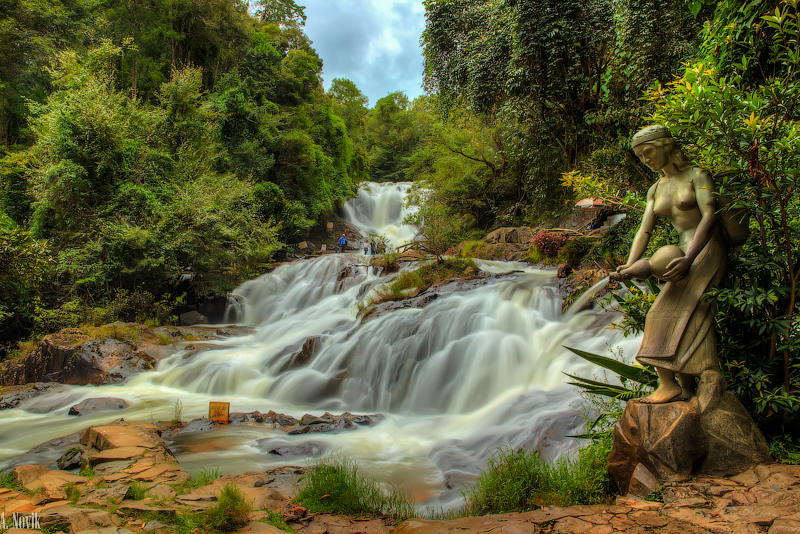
<point x="379" y="209"/>
<point x="470" y="372"/>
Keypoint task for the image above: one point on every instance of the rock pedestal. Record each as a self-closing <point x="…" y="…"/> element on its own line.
<point x="712" y="434"/>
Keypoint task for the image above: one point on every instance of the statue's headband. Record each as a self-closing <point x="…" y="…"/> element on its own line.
<point x="649" y="134"/>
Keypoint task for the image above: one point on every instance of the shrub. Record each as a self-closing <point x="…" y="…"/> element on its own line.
<point x="336" y="485"/>
<point x="474" y="249"/>
<point x="388" y="262"/>
<point x="519" y="480"/>
<point x="574" y="250"/>
<point x="231" y="512"/>
<point x="549" y="243"/>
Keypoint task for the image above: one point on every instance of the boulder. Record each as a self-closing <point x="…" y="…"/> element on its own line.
<point x="192" y="318"/>
<point x="711" y="434"/>
<point x="298" y="359"/>
<point x="519" y="235"/>
<point x="13" y="396"/>
<point x="201" y="424"/>
<point x="74" y="358"/>
<point x="71" y="459"/>
<point x="96" y="405"/>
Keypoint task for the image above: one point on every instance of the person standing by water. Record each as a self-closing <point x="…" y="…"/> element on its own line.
<point x="366" y="246"/>
<point x="679" y="328"/>
<point x="342" y="243"/>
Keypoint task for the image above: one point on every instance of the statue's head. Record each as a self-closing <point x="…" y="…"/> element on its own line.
<point x="657" y="149"/>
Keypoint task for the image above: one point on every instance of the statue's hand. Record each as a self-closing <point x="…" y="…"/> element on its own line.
<point x="618" y="276"/>
<point x="677" y="269"/>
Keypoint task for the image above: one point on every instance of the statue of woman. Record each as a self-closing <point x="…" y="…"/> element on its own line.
<point x="679" y="328"/>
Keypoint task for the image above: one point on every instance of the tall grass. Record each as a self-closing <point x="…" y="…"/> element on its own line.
<point x="336" y="485"/>
<point x="231" y="512"/>
<point x="518" y="480"/>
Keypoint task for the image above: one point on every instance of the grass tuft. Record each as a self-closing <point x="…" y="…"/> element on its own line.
<point x="335" y="485"/>
<point x="87" y="472"/>
<point x="276" y="520"/>
<point x="137" y="491"/>
<point x="231" y="512"/>
<point x="203" y="477"/>
<point x="73" y="492"/>
<point x="8" y="481"/>
<point x="518" y="480"/>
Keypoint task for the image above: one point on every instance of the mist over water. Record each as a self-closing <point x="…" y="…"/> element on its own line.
<point x="468" y="373"/>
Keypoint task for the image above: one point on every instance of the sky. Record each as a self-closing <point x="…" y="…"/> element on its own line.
<point x="374" y="43"/>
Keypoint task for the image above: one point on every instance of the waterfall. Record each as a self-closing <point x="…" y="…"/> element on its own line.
<point x="469" y="372"/>
<point x="380" y="209"/>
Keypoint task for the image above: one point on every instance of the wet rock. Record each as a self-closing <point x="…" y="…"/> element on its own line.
<point x="299" y="430"/>
<point x="47" y="453"/>
<point x="192" y="318"/>
<point x="71" y="459"/>
<point x="298" y="359"/>
<point x="564" y="271"/>
<point x="281" y="447"/>
<point x="96" y="405"/>
<point x="13" y="396"/>
<point x="281" y="419"/>
<point x="121" y="434"/>
<point x="365" y="420"/>
<point x="202" y="424"/>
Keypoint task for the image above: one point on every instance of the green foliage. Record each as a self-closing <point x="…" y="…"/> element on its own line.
<point x="639" y="378"/>
<point x="436" y="230"/>
<point x="87" y="471"/>
<point x="785" y="449"/>
<point x="201" y="478"/>
<point x="336" y="485"/>
<point x="519" y="480"/>
<point x="574" y="250"/>
<point x="9" y="482"/>
<point x="734" y="110"/>
<point x="276" y="520"/>
<point x="474" y="249"/>
<point x="634" y="306"/>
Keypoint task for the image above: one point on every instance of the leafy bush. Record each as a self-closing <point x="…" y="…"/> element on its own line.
<point x="549" y="243"/>
<point x="573" y="251"/>
<point x="336" y="485"/>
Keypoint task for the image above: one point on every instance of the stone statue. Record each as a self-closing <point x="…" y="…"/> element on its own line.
<point x="711" y="432"/>
<point x="679" y="329"/>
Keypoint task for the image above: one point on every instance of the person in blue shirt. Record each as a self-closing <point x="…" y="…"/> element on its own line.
<point x="342" y="243"/>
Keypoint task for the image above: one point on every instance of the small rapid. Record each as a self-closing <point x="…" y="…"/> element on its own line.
<point x="467" y="373"/>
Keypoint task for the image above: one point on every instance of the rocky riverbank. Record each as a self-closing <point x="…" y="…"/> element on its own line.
<point x="131" y="482"/>
<point x="110" y="354"/>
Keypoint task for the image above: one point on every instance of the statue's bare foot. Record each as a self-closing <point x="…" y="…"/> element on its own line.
<point x="665" y="393"/>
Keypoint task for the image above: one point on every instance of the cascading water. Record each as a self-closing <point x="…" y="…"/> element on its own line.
<point x="468" y="373"/>
<point x="380" y="209"/>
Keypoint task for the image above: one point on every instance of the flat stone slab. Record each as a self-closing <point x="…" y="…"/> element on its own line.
<point x="120" y="453"/>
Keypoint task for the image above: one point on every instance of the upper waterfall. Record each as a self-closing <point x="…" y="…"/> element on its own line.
<point x="379" y="208"/>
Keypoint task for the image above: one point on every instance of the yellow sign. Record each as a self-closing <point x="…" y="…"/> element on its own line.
<point x="218" y="411"/>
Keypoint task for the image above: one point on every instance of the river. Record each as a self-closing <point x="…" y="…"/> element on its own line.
<point x="468" y="373"/>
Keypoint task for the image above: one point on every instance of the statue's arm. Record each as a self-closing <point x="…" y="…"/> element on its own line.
<point x="643" y="233"/>
<point x="704" y="194"/>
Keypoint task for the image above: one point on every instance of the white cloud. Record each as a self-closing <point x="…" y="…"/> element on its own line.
<point x="374" y="43"/>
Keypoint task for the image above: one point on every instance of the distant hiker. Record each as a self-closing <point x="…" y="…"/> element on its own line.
<point x="366" y="246"/>
<point x="342" y="243"/>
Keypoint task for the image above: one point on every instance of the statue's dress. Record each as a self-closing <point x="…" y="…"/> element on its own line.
<point x="679" y="329"/>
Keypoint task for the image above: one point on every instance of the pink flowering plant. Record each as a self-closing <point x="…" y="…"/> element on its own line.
<point x="549" y="244"/>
